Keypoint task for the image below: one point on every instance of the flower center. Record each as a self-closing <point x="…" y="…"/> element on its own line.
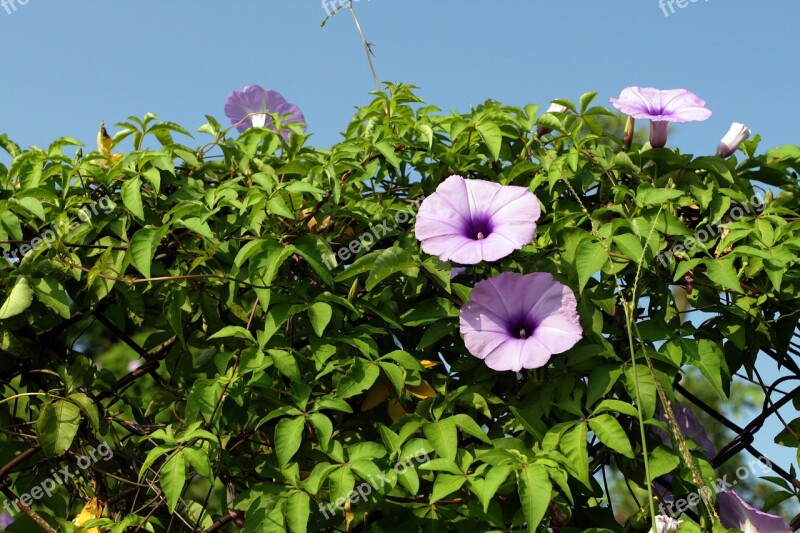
<point x="522" y="327"/>
<point x="478" y="228"/>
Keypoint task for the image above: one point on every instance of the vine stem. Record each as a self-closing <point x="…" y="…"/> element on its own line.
<point x="367" y="49"/>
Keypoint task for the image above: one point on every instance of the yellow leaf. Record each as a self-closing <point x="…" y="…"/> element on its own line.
<point x="395" y="409"/>
<point x="349" y="516"/>
<point x="375" y="397"/>
<point x="429" y="364"/>
<point x="422" y="391"/>
<point x="92" y="510"/>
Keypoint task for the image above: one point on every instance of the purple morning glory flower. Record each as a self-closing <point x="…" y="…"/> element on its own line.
<point x="734" y="512"/>
<point x="661" y="108"/>
<point x="5" y="520"/>
<point x="690" y="428"/>
<point x="248" y="108"/>
<point x="516" y="321"/>
<point x="469" y="221"/>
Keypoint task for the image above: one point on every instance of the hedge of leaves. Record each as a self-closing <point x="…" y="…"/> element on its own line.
<point x="203" y="313"/>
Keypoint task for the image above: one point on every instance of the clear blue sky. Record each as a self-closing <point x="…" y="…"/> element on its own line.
<point x="67" y="65"/>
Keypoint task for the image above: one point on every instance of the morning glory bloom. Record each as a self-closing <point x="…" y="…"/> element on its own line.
<point x="5" y="520"/>
<point x="515" y="321"/>
<point x="667" y="524"/>
<point x="469" y="221"/>
<point x="734" y="512"/>
<point x="691" y="428"/>
<point x="661" y="108"/>
<point x="248" y="108"/>
<point x="738" y="134"/>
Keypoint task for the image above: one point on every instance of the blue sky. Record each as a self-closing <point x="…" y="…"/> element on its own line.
<point x="68" y="65"/>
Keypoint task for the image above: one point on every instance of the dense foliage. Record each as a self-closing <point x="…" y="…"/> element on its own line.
<point x="244" y="332"/>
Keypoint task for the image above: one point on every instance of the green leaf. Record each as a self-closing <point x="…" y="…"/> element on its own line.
<point x="19" y="299"/>
<point x="656" y="196"/>
<point x="492" y="137"/>
<point x="52" y="294"/>
<point x="298" y="509"/>
<point x="88" y="407"/>
<point x="573" y="444"/>
<point x="610" y="433"/>
<point x="663" y="461"/>
<point x="589" y="259"/>
<point x="429" y="311"/>
<point x="387" y="150"/>
<point x="288" y="437"/>
<point x="142" y="248"/>
<point x="319" y="314"/>
<point x="446" y="484"/>
<point x="470" y="427"/>
<point x="199" y="460"/>
<point x="615" y="405"/>
<point x="57" y="426"/>
<point x="442" y="436"/>
<point x="389" y="261"/>
<point x="237" y="332"/>
<point x="709" y="358"/>
<point x="132" y="196"/>
<point x="316" y="252"/>
<point x="486" y="488"/>
<point x="535" y="489"/>
<point x="359" y="378"/>
<point x="723" y="273"/>
<point x="647" y="388"/>
<point x="172" y="478"/>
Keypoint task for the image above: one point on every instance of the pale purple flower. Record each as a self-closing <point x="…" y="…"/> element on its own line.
<point x="734" y="512"/>
<point x="690" y="427"/>
<point x="469" y="221"/>
<point x="248" y="108"/>
<point x="133" y="365"/>
<point x="738" y="134"/>
<point x="661" y="108"/>
<point x="515" y="321"/>
<point x="667" y="524"/>
<point x="457" y="271"/>
<point x="5" y="520"/>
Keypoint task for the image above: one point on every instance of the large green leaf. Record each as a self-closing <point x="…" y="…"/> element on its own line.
<point x="298" y="509"/>
<point x="18" y="300"/>
<point x="442" y="436"/>
<point x="132" y="196"/>
<point x="288" y="437"/>
<point x="359" y="378"/>
<point x="574" y="445"/>
<point x="610" y="433"/>
<point x="172" y="478"/>
<point x="589" y="259"/>
<point x="390" y="261"/>
<point x="57" y="426"/>
<point x="534" y="488"/>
